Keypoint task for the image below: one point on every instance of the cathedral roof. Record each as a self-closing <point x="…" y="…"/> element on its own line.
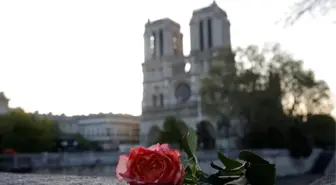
<point x="162" y="21"/>
<point x="213" y="7"/>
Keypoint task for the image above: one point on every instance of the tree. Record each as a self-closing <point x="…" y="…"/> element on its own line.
<point x="322" y="130"/>
<point x="275" y="138"/>
<point x="303" y="94"/>
<point x="263" y="86"/>
<point x="26" y="133"/>
<point x="206" y="135"/>
<point x="298" y="143"/>
<point x="270" y="80"/>
<point x="314" y="7"/>
<point x="83" y="143"/>
<point x="173" y="131"/>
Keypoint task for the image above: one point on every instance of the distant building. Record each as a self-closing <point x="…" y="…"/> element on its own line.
<point x="4" y="109"/>
<point x="110" y="130"/>
<point x="67" y="124"/>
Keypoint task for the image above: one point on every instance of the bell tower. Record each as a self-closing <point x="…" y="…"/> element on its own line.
<point x="162" y="39"/>
<point x="162" y="48"/>
<point x="209" y="29"/>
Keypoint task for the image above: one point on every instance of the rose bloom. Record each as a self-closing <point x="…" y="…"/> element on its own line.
<point x="154" y="165"/>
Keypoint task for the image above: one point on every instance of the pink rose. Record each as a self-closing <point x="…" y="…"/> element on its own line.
<point x="154" y="165"/>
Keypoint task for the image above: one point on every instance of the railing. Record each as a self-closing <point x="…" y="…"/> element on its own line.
<point x="55" y="160"/>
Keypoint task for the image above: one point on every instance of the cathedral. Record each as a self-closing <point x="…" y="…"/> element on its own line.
<point x="171" y="80"/>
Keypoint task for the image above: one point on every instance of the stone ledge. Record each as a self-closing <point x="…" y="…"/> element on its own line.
<point x="44" y="179"/>
<point x="40" y="179"/>
<point x="325" y="180"/>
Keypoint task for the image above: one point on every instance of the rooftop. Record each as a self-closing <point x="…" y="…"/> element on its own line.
<point x="213" y="7"/>
<point x="162" y="21"/>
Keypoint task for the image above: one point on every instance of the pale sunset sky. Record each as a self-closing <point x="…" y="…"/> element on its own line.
<point x="84" y="56"/>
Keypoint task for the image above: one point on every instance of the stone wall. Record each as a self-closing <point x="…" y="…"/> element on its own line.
<point x="107" y="162"/>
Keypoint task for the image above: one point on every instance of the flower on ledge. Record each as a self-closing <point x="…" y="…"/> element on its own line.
<point x="159" y="165"/>
<point x="154" y="165"/>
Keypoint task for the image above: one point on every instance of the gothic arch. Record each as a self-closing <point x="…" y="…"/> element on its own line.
<point x="153" y="135"/>
<point x="206" y="135"/>
<point x="179" y="82"/>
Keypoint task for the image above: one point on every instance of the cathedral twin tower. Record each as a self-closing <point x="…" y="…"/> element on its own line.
<point x="168" y="88"/>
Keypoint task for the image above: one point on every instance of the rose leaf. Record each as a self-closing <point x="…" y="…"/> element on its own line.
<point x="251" y="157"/>
<point x="261" y="174"/>
<point x="189" y="144"/>
<point x="216" y="167"/>
<point x="228" y="162"/>
<point x="214" y="179"/>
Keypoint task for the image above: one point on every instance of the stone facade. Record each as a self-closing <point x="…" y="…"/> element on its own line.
<point x="171" y="80"/>
<point x="4" y="109"/>
<point x="111" y="130"/>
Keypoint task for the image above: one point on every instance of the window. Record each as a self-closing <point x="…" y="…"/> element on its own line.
<point x="161" y="100"/>
<point x="153" y="45"/>
<point x="209" y="33"/>
<point x="201" y="39"/>
<point x="161" y="40"/>
<point x="175" y="44"/>
<point x="108" y="132"/>
<point x="154" y="100"/>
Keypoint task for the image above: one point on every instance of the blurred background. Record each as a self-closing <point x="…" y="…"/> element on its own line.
<point x="243" y="74"/>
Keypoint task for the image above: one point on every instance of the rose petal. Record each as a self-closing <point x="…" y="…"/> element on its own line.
<point x="179" y="176"/>
<point x="130" y="180"/>
<point x="175" y="153"/>
<point x="156" y="164"/>
<point x="155" y="147"/>
<point x="165" y="147"/>
<point x="122" y="166"/>
<point x="159" y="147"/>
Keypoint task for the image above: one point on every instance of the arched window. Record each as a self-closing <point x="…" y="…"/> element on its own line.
<point x="152" y="40"/>
<point x="201" y="38"/>
<point x="161" y="40"/>
<point x="161" y="100"/>
<point x="209" y="33"/>
<point x="154" y="100"/>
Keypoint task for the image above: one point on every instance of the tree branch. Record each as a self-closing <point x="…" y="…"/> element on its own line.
<point x="312" y="7"/>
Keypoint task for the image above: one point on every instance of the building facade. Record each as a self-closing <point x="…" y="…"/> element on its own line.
<point x="171" y="81"/>
<point x="110" y="130"/>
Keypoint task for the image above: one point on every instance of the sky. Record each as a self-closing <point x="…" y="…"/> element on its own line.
<point x="84" y="56"/>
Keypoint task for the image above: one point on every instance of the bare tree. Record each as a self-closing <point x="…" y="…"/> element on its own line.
<point x="313" y="7"/>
